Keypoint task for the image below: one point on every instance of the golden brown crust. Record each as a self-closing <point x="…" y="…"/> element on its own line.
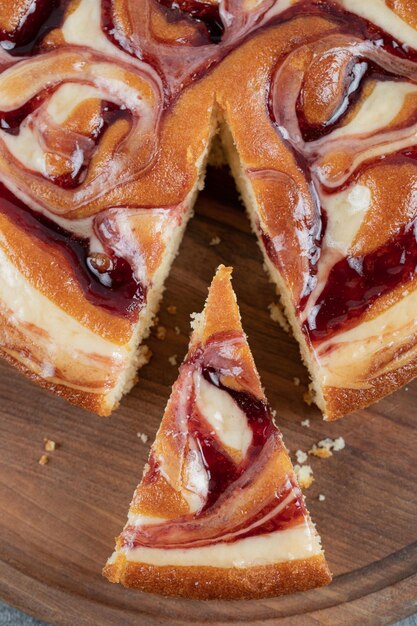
<point x="96" y="403"/>
<point x="341" y="401"/>
<point x="205" y="583"/>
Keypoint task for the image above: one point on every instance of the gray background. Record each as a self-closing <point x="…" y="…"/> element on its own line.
<point x="12" y="617"/>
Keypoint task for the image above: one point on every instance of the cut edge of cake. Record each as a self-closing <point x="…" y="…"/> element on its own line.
<point x="139" y="351"/>
<point x="249" y="200"/>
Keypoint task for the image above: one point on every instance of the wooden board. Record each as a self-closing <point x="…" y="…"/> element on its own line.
<point x="57" y="522"/>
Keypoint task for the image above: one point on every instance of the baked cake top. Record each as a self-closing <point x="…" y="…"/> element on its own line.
<point x="107" y="109"/>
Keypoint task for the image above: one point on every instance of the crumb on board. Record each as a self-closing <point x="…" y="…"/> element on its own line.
<point x="321" y="497"/>
<point x="308" y="397"/>
<point x="301" y="457"/>
<point x="172" y="309"/>
<point x="304" y="474"/>
<point x="144" y="355"/>
<point x="161" y="333"/>
<point x="177" y="330"/>
<point x="296" y="381"/>
<point x="44" y="459"/>
<point x="277" y="315"/>
<point x="173" y="360"/>
<point x="320" y="453"/>
<point x="339" y="444"/>
<point x="325" y="448"/>
<point x="305" y="423"/>
<point x="48" y="444"/>
<point x="214" y="241"/>
<point x="144" y="438"/>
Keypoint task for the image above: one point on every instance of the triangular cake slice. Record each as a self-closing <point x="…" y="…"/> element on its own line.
<point x="219" y="513"/>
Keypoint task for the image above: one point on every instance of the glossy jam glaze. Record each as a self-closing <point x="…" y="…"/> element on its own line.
<point x="10" y="121"/>
<point x="355" y="282"/>
<point x="222" y="471"/>
<point x="112" y="286"/>
<point x="283" y="506"/>
<point x="42" y="17"/>
<point x="171" y="535"/>
<point x="364" y="279"/>
<point x="345" y="297"/>
<point x="205" y="12"/>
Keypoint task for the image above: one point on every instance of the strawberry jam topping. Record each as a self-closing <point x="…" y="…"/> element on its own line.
<point x="354" y="283"/>
<point x="204" y="12"/>
<point x="229" y="480"/>
<point x="40" y="18"/>
<point x="221" y="469"/>
<point x="110" y="285"/>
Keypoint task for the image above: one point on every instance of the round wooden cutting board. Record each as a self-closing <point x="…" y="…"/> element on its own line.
<point x="58" y="521"/>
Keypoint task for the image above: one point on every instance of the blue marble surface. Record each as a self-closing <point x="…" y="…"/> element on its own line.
<point x="12" y="617"/>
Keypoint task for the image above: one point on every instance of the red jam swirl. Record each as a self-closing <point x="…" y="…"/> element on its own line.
<point x="163" y="535"/>
<point x="203" y="12"/>
<point x="360" y="71"/>
<point x="347" y="295"/>
<point x="42" y="17"/>
<point x="283" y="509"/>
<point x="354" y="283"/>
<point x="221" y="469"/>
<point x="116" y="289"/>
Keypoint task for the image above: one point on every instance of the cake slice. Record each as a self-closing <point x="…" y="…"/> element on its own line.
<point x="219" y="512"/>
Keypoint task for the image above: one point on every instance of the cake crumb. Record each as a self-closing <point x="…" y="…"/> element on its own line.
<point x="214" y="241"/>
<point x="305" y="423"/>
<point x="278" y="316"/>
<point x="49" y="445"/>
<point x="173" y="360"/>
<point x="172" y="309"/>
<point x="296" y="381"/>
<point x="320" y="453"/>
<point x="144" y="355"/>
<point x="308" y="397"/>
<point x="321" y="498"/>
<point x="161" y="333"/>
<point x="325" y="448"/>
<point x="144" y="438"/>
<point x="304" y="474"/>
<point x="301" y="456"/>
<point x="177" y="330"/>
<point x="44" y="459"/>
<point x="339" y="444"/>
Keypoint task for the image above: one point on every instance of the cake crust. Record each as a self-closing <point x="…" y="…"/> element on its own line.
<point x="222" y="583"/>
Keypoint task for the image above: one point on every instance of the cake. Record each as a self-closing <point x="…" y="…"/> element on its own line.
<point x="219" y="512"/>
<point x="108" y="110"/>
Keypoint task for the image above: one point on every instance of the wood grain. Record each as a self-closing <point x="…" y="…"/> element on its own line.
<point x="57" y="522"/>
